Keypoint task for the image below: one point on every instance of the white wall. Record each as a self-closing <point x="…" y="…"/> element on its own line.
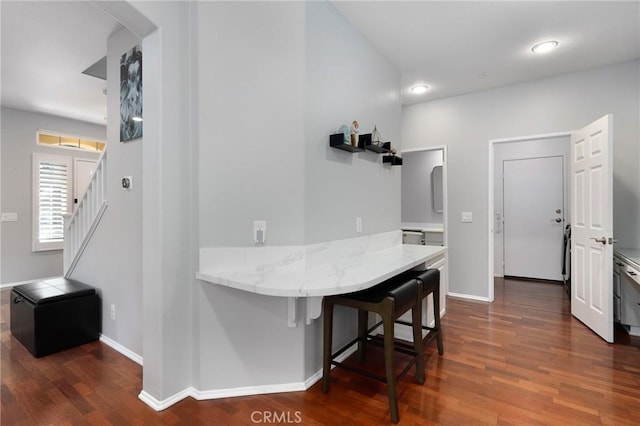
<point x="169" y="206"/>
<point x="112" y="261"/>
<point x="270" y="92"/>
<point x="347" y="79"/>
<point x="417" y="194"/>
<point x="19" y="262"/>
<point x="547" y="147"/>
<point x="251" y="121"/>
<point x="466" y="123"/>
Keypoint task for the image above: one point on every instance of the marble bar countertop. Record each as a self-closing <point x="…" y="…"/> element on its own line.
<point x="422" y="227"/>
<point x="630" y="255"/>
<point x="323" y="269"/>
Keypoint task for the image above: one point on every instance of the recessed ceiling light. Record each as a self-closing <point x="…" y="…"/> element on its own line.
<point x="420" y="89"/>
<point x="545" y="46"/>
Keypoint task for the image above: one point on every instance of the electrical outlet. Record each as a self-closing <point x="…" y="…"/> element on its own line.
<point x="358" y="224"/>
<point x="9" y="217"/>
<point x="259" y="231"/>
<point x="466" y="217"/>
<point x="113" y="311"/>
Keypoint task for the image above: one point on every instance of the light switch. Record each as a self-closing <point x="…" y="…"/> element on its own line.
<point x="9" y="217"/>
<point x="467" y="217"/>
<point x="127" y="183"/>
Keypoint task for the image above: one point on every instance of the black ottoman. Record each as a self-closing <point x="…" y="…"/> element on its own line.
<point x="51" y="315"/>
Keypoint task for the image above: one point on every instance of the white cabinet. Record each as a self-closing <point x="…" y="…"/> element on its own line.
<point x="626" y="290"/>
<point x="413" y="237"/>
<point x="616" y="289"/>
<point x="423" y="233"/>
<point x="630" y="296"/>
<point x="433" y="238"/>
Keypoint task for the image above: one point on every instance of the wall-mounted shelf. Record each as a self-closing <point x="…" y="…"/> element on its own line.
<point x="380" y="149"/>
<point x="337" y="141"/>
<point x="392" y="159"/>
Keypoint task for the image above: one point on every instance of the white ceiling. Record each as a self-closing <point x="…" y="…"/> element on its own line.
<point x="459" y="47"/>
<point x="45" y="48"/>
<point x="454" y="47"/>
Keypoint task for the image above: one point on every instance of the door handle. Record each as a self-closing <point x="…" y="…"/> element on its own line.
<point x="556" y="220"/>
<point x="602" y="240"/>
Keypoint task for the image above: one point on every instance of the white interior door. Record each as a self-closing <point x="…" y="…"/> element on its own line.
<point x="592" y="226"/>
<point x="533" y="217"/>
<point x="82" y="171"/>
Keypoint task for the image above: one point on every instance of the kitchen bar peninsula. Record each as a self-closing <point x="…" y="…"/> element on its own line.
<point x="315" y="270"/>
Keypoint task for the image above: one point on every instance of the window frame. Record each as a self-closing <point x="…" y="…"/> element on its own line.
<point x="39" y="158"/>
<point x="71" y="148"/>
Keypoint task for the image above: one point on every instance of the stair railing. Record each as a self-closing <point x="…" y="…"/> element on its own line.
<point x="80" y="225"/>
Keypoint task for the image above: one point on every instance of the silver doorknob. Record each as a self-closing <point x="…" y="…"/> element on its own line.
<point x="556" y="220"/>
<point x="558" y="211"/>
<point x="602" y="240"/>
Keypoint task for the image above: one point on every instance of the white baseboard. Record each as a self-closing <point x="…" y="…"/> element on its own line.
<point x="167" y="402"/>
<point x="123" y="350"/>
<point x="234" y="392"/>
<point x="468" y="296"/>
<point x="247" y="390"/>
<point x="11" y="285"/>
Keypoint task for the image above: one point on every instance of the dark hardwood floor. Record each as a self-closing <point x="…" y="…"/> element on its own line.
<point x="520" y="360"/>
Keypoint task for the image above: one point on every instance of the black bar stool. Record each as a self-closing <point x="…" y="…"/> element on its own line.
<point x="430" y="280"/>
<point x="390" y="300"/>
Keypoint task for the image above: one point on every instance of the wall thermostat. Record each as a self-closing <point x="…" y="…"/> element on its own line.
<point x="127" y="183"/>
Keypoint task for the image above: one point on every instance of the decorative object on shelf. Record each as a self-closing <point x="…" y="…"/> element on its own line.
<point x="376" y="138"/>
<point x="392" y="159"/>
<point x="355" y="129"/>
<point x="344" y="129"/>
<point x="376" y="144"/>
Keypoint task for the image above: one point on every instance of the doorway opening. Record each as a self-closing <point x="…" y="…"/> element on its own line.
<point x="424" y="201"/>
<point x="528" y="193"/>
<point x="424" y="194"/>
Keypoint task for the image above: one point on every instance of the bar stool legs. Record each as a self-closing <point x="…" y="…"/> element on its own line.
<point x="363" y="325"/>
<point x="388" y="324"/>
<point x="430" y="280"/>
<point x="416" y="317"/>
<point x="437" y="330"/>
<point x="390" y="300"/>
<point x="327" y="309"/>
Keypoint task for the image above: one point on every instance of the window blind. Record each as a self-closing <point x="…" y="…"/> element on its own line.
<point x="53" y="190"/>
<point x="51" y="199"/>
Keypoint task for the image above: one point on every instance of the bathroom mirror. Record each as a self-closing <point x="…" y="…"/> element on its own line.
<point x="436" y="189"/>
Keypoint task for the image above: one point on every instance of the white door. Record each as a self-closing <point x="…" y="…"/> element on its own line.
<point x="533" y="217"/>
<point x="592" y="227"/>
<point x="82" y="171"/>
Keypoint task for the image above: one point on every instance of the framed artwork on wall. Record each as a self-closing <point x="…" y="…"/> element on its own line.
<point x="131" y="95"/>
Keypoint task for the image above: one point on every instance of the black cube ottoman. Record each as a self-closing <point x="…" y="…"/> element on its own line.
<point x="52" y="315"/>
